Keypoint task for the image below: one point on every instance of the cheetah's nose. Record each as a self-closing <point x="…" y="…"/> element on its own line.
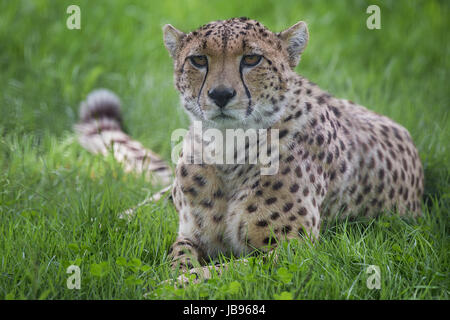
<point x="221" y="95"/>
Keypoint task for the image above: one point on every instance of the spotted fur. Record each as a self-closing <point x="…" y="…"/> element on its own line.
<point x="336" y="158"/>
<point x="100" y="131"/>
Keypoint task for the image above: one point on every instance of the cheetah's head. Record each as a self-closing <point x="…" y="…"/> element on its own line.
<point x="233" y="73"/>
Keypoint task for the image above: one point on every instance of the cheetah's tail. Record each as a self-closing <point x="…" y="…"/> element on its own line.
<point x="100" y="131"/>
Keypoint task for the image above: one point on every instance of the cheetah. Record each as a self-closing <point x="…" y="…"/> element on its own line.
<point x="336" y="158"/>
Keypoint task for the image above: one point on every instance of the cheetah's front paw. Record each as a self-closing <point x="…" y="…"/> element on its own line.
<point x="193" y="276"/>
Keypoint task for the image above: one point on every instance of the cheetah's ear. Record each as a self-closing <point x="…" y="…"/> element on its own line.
<point x="172" y="39"/>
<point x="295" y="39"/>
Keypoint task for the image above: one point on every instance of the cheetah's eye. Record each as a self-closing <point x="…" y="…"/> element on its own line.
<point x="251" y="60"/>
<point x="199" y="61"/>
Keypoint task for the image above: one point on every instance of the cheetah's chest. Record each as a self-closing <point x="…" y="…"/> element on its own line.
<point x="212" y="197"/>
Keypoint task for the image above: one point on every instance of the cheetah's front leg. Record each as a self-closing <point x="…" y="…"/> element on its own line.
<point x="184" y="254"/>
<point x="205" y="273"/>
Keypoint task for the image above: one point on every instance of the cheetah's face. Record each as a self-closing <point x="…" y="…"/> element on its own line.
<point x="232" y="73"/>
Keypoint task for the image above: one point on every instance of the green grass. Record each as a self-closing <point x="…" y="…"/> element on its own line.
<point x="59" y="204"/>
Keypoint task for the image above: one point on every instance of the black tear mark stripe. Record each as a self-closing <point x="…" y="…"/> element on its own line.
<point x="203" y="83"/>
<point x="249" y="96"/>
